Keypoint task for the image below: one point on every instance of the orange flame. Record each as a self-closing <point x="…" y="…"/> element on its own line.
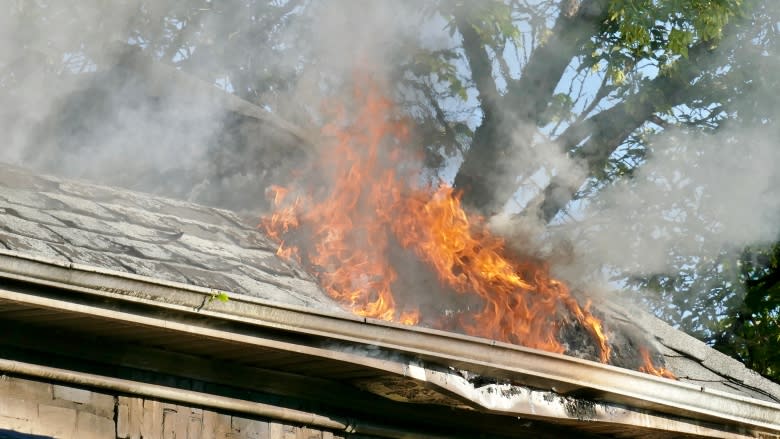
<point x="521" y="299"/>
<point x="649" y="367"/>
<point x="376" y="200"/>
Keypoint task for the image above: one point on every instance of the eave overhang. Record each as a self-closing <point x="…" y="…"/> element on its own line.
<point x="328" y="340"/>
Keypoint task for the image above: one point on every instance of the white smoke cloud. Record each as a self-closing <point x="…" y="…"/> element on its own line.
<point x="695" y="196"/>
<point x="73" y="103"/>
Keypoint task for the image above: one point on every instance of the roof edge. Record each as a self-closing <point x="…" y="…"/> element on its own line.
<point x="555" y="372"/>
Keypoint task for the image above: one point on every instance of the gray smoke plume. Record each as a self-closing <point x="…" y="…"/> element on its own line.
<point x="696" y="195"/>
<point x="98" y="91"/>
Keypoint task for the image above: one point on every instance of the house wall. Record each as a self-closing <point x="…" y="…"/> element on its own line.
<point x="52" y="410"/>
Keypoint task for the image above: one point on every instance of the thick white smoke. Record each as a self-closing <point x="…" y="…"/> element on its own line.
<point x="695" y="195"/>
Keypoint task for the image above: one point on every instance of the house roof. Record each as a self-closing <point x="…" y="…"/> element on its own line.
<point x="147" y="265"/>
<point x="150" y="236"/>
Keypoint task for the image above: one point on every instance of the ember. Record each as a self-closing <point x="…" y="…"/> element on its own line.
<point x="375" y="199"/>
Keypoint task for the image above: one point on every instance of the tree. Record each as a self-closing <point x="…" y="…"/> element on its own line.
<point x="701" y="67"/>
<point x="751" y="330"/>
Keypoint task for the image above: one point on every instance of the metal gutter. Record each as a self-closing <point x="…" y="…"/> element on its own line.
<point x="540" y="369"/>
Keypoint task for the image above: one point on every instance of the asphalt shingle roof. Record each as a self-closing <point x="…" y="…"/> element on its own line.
<point x="182" y="242"/>
<point x="149" y="236"/>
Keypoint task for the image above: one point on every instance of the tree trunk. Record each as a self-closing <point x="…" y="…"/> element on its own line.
<point x="486" y="177"/>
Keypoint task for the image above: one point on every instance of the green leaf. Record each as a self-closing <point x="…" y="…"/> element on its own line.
<point x="219" y="295"/>
<point x="679" y="40"/>
<point x="616" y="75"/>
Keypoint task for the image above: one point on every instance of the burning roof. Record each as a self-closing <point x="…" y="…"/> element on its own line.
<point x="83" y="228"/>
<point x="365" y="209"/>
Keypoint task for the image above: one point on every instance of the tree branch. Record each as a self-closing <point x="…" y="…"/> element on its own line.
<point x="476" y="176"/>
<point x="607" y="130"/>
<point x="578" y="20"/>
<point x="439" y="115"/>
<point x="480" y="65"/>
<point x="604" y="91"/>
